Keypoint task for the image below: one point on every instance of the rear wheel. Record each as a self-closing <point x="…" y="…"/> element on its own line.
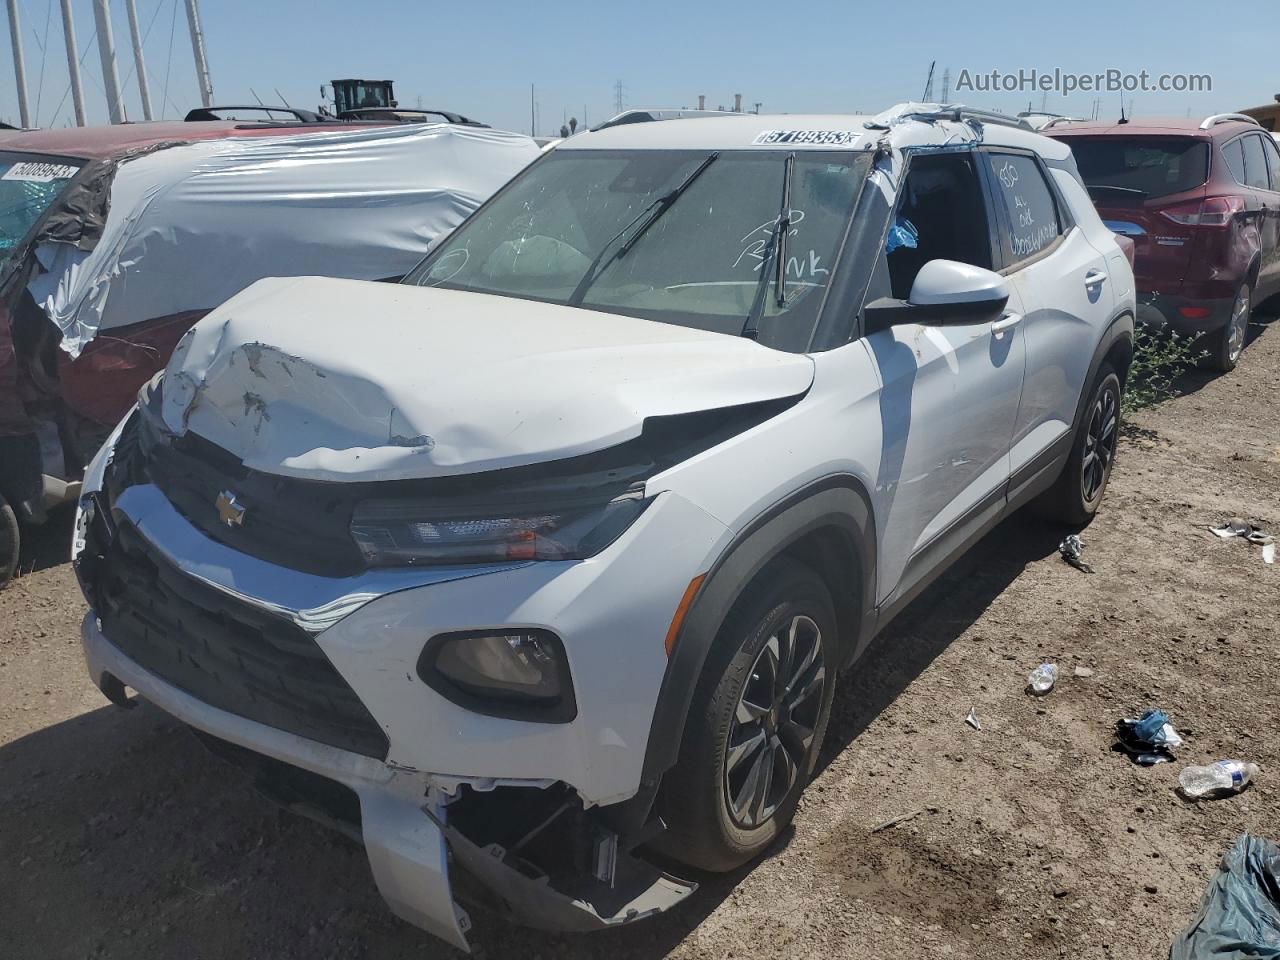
<point x="756" y="723"/>
<point x="1076" y="495"/>
<point x="1228" y="343"/>
<point x="10" y="541"/>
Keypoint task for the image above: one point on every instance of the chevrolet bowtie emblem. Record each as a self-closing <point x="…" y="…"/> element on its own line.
<point x="230" y="510"/>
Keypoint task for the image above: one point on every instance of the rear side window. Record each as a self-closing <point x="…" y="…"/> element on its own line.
<point x="1142" y="167"/>
<point x="1233" y="153"/>
<point x="1031" y="221"/>
<point x="1255" y="163"/>
<point x="1273" y="158"/>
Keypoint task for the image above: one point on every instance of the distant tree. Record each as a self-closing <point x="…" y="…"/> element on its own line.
<point x="564" y="131"/>
<point x="573" y="125"/>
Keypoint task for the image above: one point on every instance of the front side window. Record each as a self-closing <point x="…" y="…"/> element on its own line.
<point x="1031" y="213"/>
<point x="1273" y="159"/>
<point x="28" y="185"/>
<point x="684" y="237"/>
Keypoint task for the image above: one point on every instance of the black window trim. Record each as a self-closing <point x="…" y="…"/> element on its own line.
<point x="1066" y="223"/>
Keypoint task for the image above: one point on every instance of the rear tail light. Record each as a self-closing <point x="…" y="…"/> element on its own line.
<point x="1194" y="313"/>
<point x="1212" y="212"/>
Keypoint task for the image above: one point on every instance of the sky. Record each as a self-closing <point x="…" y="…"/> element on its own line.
<point x="480" y="58"/>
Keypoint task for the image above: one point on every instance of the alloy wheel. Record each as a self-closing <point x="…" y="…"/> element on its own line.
<point x="773" y="725"/>
<point x="1099" y="444"/>
<point x="1239" y="325"/>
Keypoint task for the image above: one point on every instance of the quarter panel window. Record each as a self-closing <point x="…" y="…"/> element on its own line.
<point x="1032" y="222"/>
<point x="1233" y="153"/>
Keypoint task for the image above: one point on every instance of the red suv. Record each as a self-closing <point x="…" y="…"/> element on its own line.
<point x="1201" y="201"/>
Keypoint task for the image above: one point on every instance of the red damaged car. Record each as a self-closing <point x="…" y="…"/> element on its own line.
<point x="1201" y="201"/>
<point x="115" y="240"/>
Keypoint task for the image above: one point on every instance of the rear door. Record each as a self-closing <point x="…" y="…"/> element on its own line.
<point x="1269" y="156"/>
<point x="1066" y="294"/>
<point x="1147" y="188"/>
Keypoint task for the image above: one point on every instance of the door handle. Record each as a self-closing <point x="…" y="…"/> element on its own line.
<point x="1094" y="277"/>
<point x="1007" y="322"/>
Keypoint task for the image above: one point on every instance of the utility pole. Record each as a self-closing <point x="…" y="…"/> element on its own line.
<point x="107" y="51"/>
<point x="617" y="97"/>
<point x="144" y="92"/>
<point x="533" y="114"/>
<point x="19" y="66"/>
<point x="197" y="49"/>
<point x="73" y="62"/>
<point x="946" y="85"/>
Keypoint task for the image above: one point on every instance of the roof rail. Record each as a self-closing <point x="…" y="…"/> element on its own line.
<point x="958" y="113"/>
<point x="1227" y="118"/>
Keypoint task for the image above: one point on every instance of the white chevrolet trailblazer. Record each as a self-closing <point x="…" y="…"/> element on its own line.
<point x="546" y="560"/>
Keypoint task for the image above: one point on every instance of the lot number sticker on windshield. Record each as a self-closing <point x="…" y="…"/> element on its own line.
<point x="39" y="172"/>
<point x="825" y="138"/>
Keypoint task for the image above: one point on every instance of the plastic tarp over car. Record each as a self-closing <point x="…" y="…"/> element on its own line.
<point x="190" y="226"/>
<point x="1239" y="915"/>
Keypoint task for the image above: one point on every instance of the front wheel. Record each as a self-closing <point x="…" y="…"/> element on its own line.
<point x="1077" y="494"/>
<point x="756" y="723"/>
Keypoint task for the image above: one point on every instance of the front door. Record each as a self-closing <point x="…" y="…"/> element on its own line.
<point x="949" y="392"/>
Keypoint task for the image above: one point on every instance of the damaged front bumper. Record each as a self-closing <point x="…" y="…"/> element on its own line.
<point x="404" y="821"/>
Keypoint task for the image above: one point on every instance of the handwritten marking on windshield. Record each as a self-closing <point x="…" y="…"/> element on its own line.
<point x="757" y="248"/>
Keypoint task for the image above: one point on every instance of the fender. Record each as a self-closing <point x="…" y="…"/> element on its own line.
<point x="1118" y="337"/>
<point x="838" y="502"/>
<point x="1042" y="472"/>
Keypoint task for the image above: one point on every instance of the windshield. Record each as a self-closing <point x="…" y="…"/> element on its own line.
<point x="28" y="184"/>
<point x="683" y="237"/>
<point x="1143" y="166"/>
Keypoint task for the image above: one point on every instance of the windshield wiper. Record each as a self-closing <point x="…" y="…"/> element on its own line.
<point x="776" y="254"/>
<point x="1118" y="189"/>
<point x="653" y="212"/>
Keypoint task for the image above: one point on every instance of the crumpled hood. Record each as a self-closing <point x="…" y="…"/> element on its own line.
<point x="354" y="380"/>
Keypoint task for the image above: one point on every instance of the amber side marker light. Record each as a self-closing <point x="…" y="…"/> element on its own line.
<point x="683" y="608"/>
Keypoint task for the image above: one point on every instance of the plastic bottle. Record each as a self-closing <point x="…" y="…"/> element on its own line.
<point x="1231" y="775"/>
<point x="1043" y="678"/>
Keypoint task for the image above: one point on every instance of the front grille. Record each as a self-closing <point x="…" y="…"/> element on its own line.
<point x="221" y="650"/>
<point x="301" y="524"/>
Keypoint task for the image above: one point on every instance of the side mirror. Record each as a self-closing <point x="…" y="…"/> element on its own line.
<point x="944" y="291"/>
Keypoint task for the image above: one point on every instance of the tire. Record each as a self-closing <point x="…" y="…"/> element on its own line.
<point x="10" y="542"/>
<point x="715" y="821"/>
<point x="1228" y="343"/>
<point x="1076" y="494"/>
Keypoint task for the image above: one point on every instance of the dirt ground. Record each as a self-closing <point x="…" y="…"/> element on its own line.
<point x="122" y="838"/>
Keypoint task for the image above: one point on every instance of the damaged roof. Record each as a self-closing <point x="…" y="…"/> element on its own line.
<point x="901" y="125"/>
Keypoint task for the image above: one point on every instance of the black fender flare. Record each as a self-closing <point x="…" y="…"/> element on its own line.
<point x="1117" y="338"/>
<point x="839" y="502"/>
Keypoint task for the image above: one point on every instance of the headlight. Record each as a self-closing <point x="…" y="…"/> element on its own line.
<point x="520" y="673"/>
<point x="392" y="532"/>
